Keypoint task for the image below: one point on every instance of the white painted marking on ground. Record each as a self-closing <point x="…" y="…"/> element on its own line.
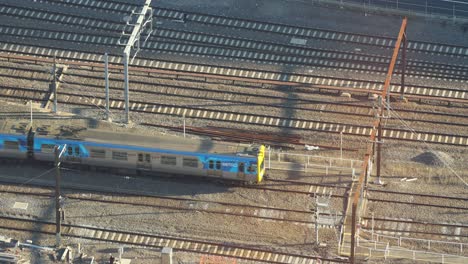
<point x="298" y="41"/>
<point x="20" y="205"/>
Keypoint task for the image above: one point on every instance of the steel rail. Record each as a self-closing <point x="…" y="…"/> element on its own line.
<point x="425" y="223"/>
<point x="56" y="17"/>
<point x="263" y="96"/>
<point x="232" y="250"/>
<point x="243" y="210"/>
<point x="269" y="179"/>
<point x="244" y="136"/>
<point x="281" y="29"/>
<point x="279" y="189"/>
<point x="319" y="59"/>
<point x="414" y="232"/>
<point x="370" y="190"/>
<point x="417" y="204"/>
<point x="263" y="120"/>
<point x="214" y="39"/>
<point x="350" y="104"/>
<point x="241" y="74"/>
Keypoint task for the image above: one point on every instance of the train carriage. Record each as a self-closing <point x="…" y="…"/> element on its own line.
<point x="162" y="154"/>
<point x="13" y="146"/>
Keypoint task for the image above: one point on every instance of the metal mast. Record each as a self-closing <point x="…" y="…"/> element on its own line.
<point x="106" y="73"/>
<point x="54" y="85"/>
<point x="142" y="21"/>
<point x="58" y="209"/>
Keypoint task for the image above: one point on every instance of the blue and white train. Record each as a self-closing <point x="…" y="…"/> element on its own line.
<point x="158" y="154"/>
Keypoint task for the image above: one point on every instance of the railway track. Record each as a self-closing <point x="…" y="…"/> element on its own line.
<point x="413" y="228"/>
<point x="268" y="27"/>
<point x="241" y="98"/>
<point x="250" y="119"/>
<point x="418" y="195"/>
<point x="338" y="191"/>
<point x="172" y="41"/>
<point x="274" y="100"/>
<point x="313" y="189"/>
<point x="419" y="204"/>
<point x="300" y="188"/>
<point x="297" y="217"/>
<point x="363" y="110"/>
<point x="238" y="97"/>
<point x="158" y="241"/>
<point x="439" y="201"/>
<point x="231" y="73"/>
<point x="101" y="38"/>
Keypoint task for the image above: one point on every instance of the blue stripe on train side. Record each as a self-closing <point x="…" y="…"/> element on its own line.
<point x="23" y="146"/>
<point x="229" y="163"/>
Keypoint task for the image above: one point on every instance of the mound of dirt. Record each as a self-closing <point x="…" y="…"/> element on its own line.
<point x="434" y="158"/>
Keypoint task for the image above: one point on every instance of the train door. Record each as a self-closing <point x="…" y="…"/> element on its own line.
<point x="241" y="170"/>
<point x="73" y="154"/>
<point x="214" y="168"/>
<point x="211" y="168"/>
<point x="144" y="161"/>
<point x="219" y="171"/>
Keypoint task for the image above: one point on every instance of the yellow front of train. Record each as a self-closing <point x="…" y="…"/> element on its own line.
<point x="261" y="163"/>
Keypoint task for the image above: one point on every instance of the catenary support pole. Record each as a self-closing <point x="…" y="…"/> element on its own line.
<point x="106" y="72"/>
<point x="58" y="218"/>
<point x="353" y="233"/>
<point x="341" y="144"/>
<point x="184" y="124"/>
<point x="316" y="224"/>
<point x="403" y="65"/>
<point x="379" y="151"/>
<point x="31" y="102"/>
<point x="126" y="58"/>
<point x="54" y="85"/>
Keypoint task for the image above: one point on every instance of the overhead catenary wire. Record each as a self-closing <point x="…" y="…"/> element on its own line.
<point x="413" y="131"/>
<point x="97" y="106"/>
<point x="36" y="177"/>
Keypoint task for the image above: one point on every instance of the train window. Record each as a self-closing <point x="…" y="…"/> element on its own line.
<point x="211" y="164"/>
<point x="147" y="157"/>
<point x="98" y="153"/>
<point x="117" y="155"/>
<point x="168" y="160"/>
<point x="77" y="151"/>
<point x="190" y="162"/>
<point x="11" y="144"/>
<point x="140" y="157"/>
<point x="47" y="148"/>
<point x="70" y="150"/>
<point x="218" y="165"/>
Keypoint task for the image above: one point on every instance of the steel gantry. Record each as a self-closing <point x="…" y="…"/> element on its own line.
<point x="359" y="189"/>
<point x="137" y="22"/>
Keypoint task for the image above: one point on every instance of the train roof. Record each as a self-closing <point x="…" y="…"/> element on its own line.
<point x="166" y="141"/>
